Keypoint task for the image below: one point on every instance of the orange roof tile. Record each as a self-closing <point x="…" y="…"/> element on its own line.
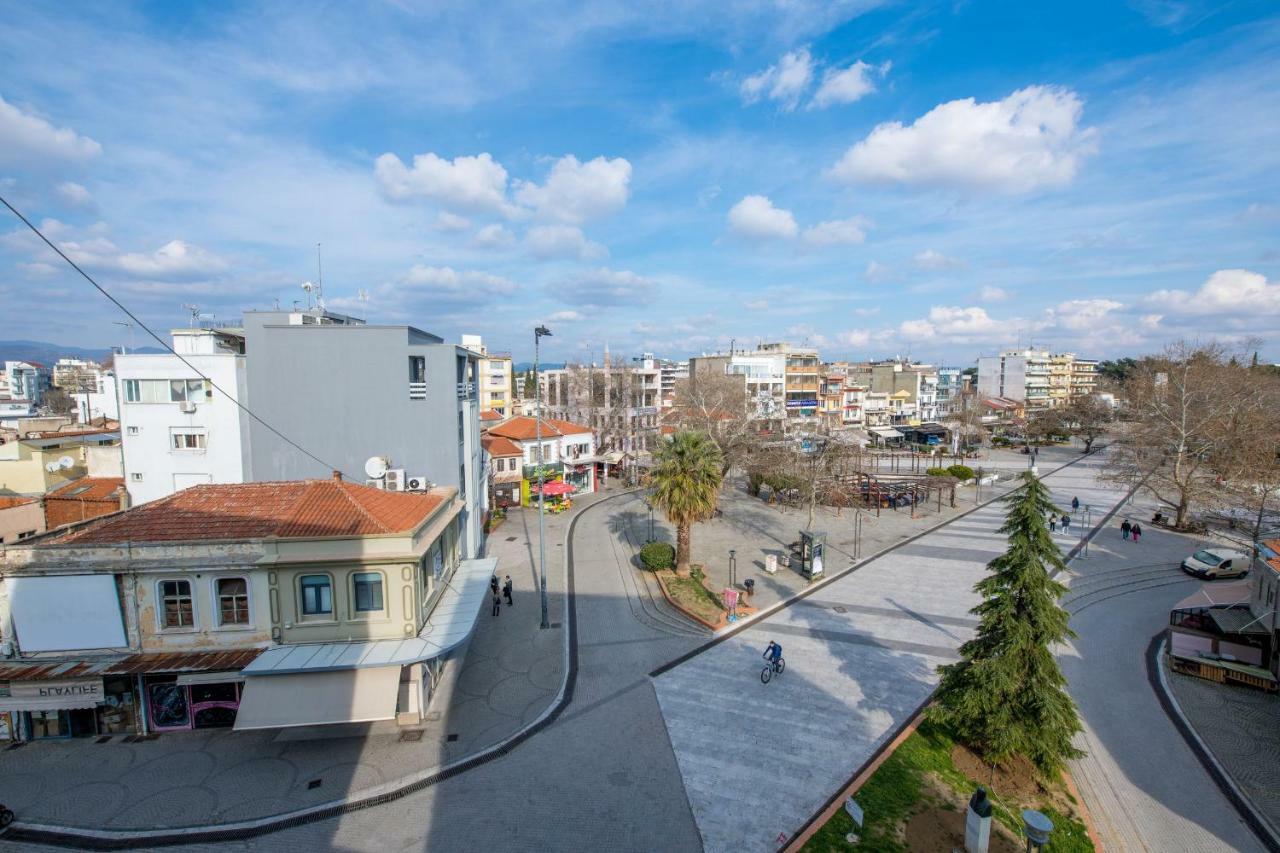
<point x="89" y="489"/>
<point x="299" y="509"/>
<point x="497" y="445"/>
<point x="524" y="429"/>
<point x="7" y="502"/>
<point x="490" y="415"/>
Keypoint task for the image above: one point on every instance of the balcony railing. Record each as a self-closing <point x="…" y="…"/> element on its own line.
<point x="417" y="390"/>
<point x="466" y="390"/>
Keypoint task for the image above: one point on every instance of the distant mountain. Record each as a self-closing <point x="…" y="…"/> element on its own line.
<point x="47" y="353"/>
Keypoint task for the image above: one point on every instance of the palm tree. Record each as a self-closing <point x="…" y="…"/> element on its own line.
<point x="686" y="484"/>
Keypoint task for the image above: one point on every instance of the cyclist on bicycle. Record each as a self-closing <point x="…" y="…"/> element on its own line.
<point x="773" y="652"/>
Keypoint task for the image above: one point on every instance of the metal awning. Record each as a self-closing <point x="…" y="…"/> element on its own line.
<point x="59" y="703"/>
<point x="319" y="698"/>
<point x="448" y="626"/>
<point x="1217" y="595"/>
<point x="886" y="432"/>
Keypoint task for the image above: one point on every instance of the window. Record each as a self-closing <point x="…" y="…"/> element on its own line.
<point x="462" y="481"/>
<point x="136" y="477"/>
<point x="233" y="601"/>
<point x="134" y="430"/>
<point x="183" y="390"/>
<point x="163" y="390"/>
<point x="26" y="534"/>
<point x="368" y="592"/>
<point x="417" y="368"/>
<point x="317" y="595"/>
<point x="177" y="609"/>
<point x="187" y="439"/>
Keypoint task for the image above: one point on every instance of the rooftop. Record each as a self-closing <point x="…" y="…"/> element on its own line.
<point x="497" y="445"/>
<point x="490" y="415"/>
<point x="300" y="509"/>
<point x="89" y="489"/>
<point x="525" y="429"/>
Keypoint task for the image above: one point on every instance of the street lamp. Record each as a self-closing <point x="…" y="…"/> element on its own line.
<point x="733" y="568"/>
<point x="538" y="334"/>
<point x="649" y="503"/>
<point x="1084" y="530"/>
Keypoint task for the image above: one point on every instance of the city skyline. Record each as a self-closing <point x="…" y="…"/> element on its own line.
<point x="944" y="181"/>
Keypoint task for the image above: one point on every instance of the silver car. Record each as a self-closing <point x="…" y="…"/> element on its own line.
<point x="1213" y="563"/>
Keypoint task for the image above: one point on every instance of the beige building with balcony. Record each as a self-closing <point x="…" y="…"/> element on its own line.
<point x="259" y="605"/>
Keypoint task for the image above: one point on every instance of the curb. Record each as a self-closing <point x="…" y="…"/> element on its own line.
<point x="99" y="839"/>
<point x="1256" y="822"/>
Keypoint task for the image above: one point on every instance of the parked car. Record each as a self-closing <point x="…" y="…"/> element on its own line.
<point x="1211" y="563"/>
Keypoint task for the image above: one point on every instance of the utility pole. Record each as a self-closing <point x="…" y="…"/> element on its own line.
<point x="538" y="334"/>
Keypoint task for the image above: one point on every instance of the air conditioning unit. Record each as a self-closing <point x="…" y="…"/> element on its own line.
<point x="187" y="407"/>
<point x="375" y="484"/>
<point x="417" y="483"/>
<point x="394" y="480"/>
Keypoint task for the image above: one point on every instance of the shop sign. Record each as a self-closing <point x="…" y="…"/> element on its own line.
<point x="68" y="688"/>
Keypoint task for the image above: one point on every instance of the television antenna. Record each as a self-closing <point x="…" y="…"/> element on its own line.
<point x="194" y="311"/>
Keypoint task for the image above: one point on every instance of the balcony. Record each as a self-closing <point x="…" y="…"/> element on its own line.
<point x="466" y="390"/>
<point x="417" y="390"/>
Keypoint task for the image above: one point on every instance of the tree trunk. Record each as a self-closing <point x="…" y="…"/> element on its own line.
<point x="683" y="550"/>
<point x="1180" y="516"/>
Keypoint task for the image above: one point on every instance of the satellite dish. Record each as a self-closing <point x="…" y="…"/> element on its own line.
<point x="66" y="462"/>
<point x="51" y="467"/>
<point x="375" y="467"/>
<point x="308" y="286"/>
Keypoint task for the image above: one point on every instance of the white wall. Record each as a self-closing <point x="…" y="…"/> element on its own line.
<point x="152" y="468"/>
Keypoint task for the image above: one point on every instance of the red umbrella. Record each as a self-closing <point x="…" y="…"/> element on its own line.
<point x="557" y="488"/>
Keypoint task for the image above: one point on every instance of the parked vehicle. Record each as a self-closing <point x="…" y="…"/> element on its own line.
<point x="1211" y="563"/>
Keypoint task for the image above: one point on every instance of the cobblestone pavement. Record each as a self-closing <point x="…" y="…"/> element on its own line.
<point x="1241" y="726"/>
<point x="509" y="674"/>
<point x="1145" y="788"/>
<point x="759" y="759"/>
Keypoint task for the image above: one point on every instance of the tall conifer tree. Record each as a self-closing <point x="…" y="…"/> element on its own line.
<point x="1007" y="695"/>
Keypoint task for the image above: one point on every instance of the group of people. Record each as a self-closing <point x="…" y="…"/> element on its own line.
<point x="506" y="591"/>
<point x="1131" y="531"/>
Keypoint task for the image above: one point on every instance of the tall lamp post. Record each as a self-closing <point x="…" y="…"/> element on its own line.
<point x="649" y="503"/>
<point x="733" y="568"/>
<point x="538" y="334"/>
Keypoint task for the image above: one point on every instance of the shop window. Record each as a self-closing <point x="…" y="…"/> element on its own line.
<point x="233" y="601"/>
<point x="169" y="707"/>
<point x="177" y="608"/>
<point x="50" y="724"/>
<point x="368" y="592"/>
<point x="317" y="595"/>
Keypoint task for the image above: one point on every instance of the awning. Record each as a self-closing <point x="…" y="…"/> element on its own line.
<point x="65" y="703"/>
<point x="188" y="678"/>
<point x="53" y="694"/>
<point x="319" y="698"/>
<point x="448" y="626"/>
<point x="1216" y="595"/>
<point x="57" y="613"/>
<point x="886" y="432"/>
<point x="557" y="487"/>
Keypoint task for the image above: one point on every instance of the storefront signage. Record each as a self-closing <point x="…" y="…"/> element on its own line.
<point x="71" y="688"/>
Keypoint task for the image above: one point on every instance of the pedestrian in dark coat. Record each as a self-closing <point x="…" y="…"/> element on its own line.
<point x="1125" y="528"/>
<point x="493" y="584"/>
<point x="1053" y="523"/>
<point x="1137" y="532"/>
<point x="497" y="604"/>
<point x="506" y="590"/>
<point x="1066" y="522"/>
<point x="1075" y="504"/>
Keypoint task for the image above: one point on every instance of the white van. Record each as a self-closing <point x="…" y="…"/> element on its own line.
<point x="1213" y="563"/>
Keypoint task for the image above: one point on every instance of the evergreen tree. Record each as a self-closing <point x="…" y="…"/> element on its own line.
<point x="1006" y="695"/>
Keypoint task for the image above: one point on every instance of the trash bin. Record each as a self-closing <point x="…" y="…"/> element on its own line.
<point x="750" y="584"/>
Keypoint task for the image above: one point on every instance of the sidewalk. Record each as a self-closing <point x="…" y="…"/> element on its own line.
<point x="510" y="672"/>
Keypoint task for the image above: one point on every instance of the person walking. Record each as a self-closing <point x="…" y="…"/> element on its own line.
<point x="1125" y="528"/>
<point x="1075" y="505"/>
<point x="497" y="604"/>
<point x="493" y="584"/>
<point x="1136" y="530"/>
<point x="1053" y="523"/>
<point x="506" y="591"/>
<point x="1066" y="523"/>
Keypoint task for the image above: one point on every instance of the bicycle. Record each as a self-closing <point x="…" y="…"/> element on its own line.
<point x="770" y="668"/>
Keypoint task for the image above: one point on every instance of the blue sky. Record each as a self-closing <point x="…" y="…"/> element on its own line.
<point x="942" y="180"/>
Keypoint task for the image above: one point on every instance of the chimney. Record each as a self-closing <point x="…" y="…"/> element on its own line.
<point x="337" y="475"/>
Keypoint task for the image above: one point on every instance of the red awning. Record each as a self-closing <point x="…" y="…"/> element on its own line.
<point x="557" y="488"/>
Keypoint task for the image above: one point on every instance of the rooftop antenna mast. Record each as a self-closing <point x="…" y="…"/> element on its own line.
<point x="194" y="311"/>
<point x="319" y="280"/>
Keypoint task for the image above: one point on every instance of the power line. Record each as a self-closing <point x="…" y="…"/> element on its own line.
<point x="161" y="341"/>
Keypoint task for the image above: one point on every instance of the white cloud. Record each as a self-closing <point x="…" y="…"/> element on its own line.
<point x="604" y="286"/>
<point x="1150" y="322"/>
<point x="755" y="216"/>
<point x="477" y="183"/>
<point x="952" y="323"/>
<point x="495" y="236"/>
<point x="565" y="317"/>
<point x="806" y="334"/>
<point x="28" y="141"/>
<point x="837" y="232"/>
<point x="575" y="192"/>
<point x="1083" y="315"/>
<point x="451" y="222"/>
<point x="990" y="293"/>
<point x="846" y="85"/>
<point x="464" y="283"/>
<point x="784" y="82"/>
<point x="1028" y="140"/>
<point x="935" y="261"/>
<point x="854" y="338"/>
<point x="1226" y="292"/>
<point x="562" y="241"/>
<point x="757" y="304"/>
<point x="38" y="269"/>
<point x="74" y="194"/>
<point x="877" y="272"/>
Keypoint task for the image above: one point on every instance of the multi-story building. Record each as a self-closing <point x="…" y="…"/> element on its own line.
<point x="950" y="389"/>
<point x="568" y="453"/>
<point x="494" y="377"/>
<point x="43" y="462"/>
<point x="26" y="380"/>
<point x="74" y="374"/>
<point x="620" y="402"/>
<point x="671" y="372"/>
<point x="919" y="383"/>
<point x="304" y="392"/>
<point x="831" y="399"/>
<point x="263" y="605"/>
<point x="1037" y="378"/>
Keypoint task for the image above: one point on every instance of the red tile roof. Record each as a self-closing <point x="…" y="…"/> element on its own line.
<point x="299" y="509"/>
<point x="89" y="489"/>
<point x="7" y="502"/>
<point x="497" y="445"/>
<point x="490" y="415"/>
<point x="524" y="429"/>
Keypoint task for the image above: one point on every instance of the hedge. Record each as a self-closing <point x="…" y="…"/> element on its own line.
<point x="658" y="555"/>
<point x="961" y="472"/>
<point x="937" y="472"/>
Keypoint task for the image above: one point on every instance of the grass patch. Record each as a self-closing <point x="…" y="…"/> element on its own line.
<point x="903" y="786"/>
<point x="690" y="594"/>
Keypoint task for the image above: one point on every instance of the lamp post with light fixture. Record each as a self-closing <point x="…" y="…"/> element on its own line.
<point x="538" y="334"/>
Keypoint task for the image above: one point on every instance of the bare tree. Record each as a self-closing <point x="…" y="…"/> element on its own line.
<point x="1248" y="457"/>
<point x="1183" y="404"/>
<point x="717" y="404"/>
<point x="1087" y="418"/>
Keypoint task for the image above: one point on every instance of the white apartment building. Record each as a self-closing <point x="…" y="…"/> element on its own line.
<point x="178" y="432"/>
<point x="671" y="372"/>
<point x="26" y="380"/>
<point x="494" y="377"/>
<point x="1037" y="378"/>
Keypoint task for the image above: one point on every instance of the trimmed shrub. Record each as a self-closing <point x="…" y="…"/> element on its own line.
<point x="936" y="472"/>
<point x="658" y="555"/>
<point x="961" y="472"/>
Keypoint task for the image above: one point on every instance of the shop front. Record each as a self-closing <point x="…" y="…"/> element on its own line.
<point x="55" y="708"/>
<point x="186" y="701"/>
